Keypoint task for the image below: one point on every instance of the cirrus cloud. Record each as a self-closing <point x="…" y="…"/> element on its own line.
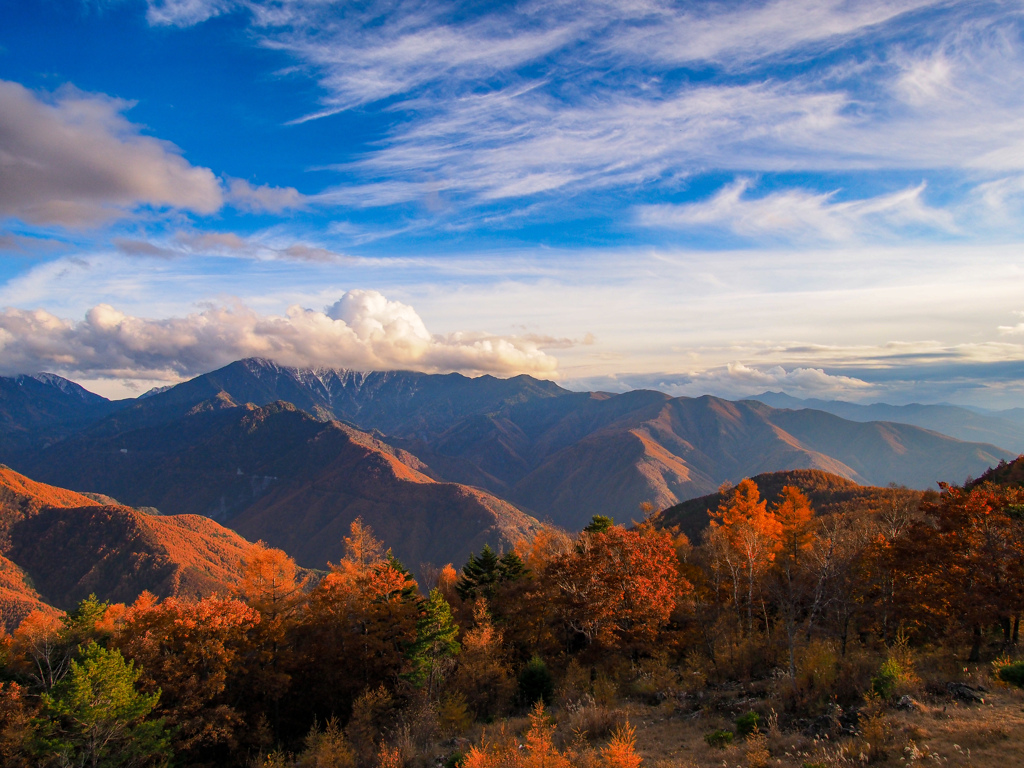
<point x="800" y="214"/>
<point x="362" y="330"/>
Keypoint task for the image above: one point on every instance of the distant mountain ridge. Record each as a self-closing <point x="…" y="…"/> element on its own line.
<point x="42" y="409"/>
<point x="1004" y="429"/>
<point x="558" y="455"/>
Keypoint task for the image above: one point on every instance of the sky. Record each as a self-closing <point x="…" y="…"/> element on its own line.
<point x="821" y="197"/>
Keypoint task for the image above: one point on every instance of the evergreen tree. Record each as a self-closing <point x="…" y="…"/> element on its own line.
<point x="511" y="567"/>
<point x="435" y="643"/>
<point x="479" y="575"/>
<point x="80" y="624"/>
<point x="599" y="524"/>
<point x="95" y="716"/>
<point x="409" y="589"/>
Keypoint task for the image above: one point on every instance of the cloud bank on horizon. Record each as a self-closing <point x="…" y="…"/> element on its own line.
<point x="363" y="330"/>
<point x="822" y="197"/>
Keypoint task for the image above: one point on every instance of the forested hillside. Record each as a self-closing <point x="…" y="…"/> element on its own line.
<point x="798" y="628"/>
<point x="57" y="547"/>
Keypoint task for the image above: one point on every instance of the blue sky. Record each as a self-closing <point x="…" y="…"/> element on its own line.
<point x="819" y="197"/>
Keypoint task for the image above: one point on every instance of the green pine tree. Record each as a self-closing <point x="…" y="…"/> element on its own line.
<point x="599" y="524"/>
<point x="95" y="717"/>
<point x="435" y="643"/>
<point x="511" y="567"/>
<point x="478" y="575"/>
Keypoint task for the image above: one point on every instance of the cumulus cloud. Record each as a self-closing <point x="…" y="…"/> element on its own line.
<point x="74" y="160"/>
<point x="362" y="330"/>
<point x="797" y="213"/>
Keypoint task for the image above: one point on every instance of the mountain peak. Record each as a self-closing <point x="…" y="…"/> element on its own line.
<point x="59" y="383"/>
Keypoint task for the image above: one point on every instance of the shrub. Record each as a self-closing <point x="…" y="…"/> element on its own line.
<point x="747" y="724"/>
<point x="535" y="682"/>
<point x="453" y="715"/>
<point x="757" y="754"/>
<point x="883" y="684"/>
<point x="327" y="747"/>
<point x="719" y="739"/>
<point x="1013" y="674"/>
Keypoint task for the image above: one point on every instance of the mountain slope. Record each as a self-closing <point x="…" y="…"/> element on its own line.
<point x="394" y="402"/>
<point x="58" y="546"/>
<point x="277" y="474"/>
<point x="686" y="447"/>
<point x="827" y="493"/>
<point x="559" y="455"/>
<point x="38" y="410"/>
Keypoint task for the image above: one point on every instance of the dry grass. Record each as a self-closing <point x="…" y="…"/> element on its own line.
<point x="936" y="731"/>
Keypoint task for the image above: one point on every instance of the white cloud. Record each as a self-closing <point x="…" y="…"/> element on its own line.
<point x="76" y="161"/>
<point x="736" y="34"/>
<point x="526" y="99"/>
<point x="799" y="214"/>
<point x="516" y="142"/>
<point x="229" y="244"/>
<point x="737" y="380"/>
<point x="248" y="197"/>
<point x="184" y="13"/>
<point x="363" y="330"/>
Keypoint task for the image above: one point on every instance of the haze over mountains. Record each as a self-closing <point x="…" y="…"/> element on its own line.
<point x="438" y="464"/>
<point x="1002" y="428"/>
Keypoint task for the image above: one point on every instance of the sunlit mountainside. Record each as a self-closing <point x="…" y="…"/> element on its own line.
<point x="57" y="547"/>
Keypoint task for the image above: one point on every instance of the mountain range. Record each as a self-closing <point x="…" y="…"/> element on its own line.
<point x="1002" y="428"/>
<point x="502" y="453"/>
<point x="170" y="488"/>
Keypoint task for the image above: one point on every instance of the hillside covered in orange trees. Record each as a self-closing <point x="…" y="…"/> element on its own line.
<point x="58" y="546"/>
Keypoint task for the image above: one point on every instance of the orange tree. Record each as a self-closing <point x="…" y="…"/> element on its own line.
<point x="354" y="633"/>
<point x="751" y="537"/>
<point x="194" y="652"/>
<point x="617" y="588"/>
<point x="964" y="566"/>
<point x="791" y="583"/>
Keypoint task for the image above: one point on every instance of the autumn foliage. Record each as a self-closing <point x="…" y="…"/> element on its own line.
<point x="359" y="667"/>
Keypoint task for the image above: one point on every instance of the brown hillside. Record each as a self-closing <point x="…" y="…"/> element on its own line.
<point x="59" y="546"/>
<point x="18" y="598"/>
<point x="1005" y="473"/>
<point x="664" y="452"/>
<point x="278" y="474"/>
<point x="20" y="496"/>
<point x="827" y="492"/>
<point x="354" y="475"/>
<point x="118" y="552"/>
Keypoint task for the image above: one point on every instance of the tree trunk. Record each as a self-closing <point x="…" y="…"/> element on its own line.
<point x="976" y="646"/>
